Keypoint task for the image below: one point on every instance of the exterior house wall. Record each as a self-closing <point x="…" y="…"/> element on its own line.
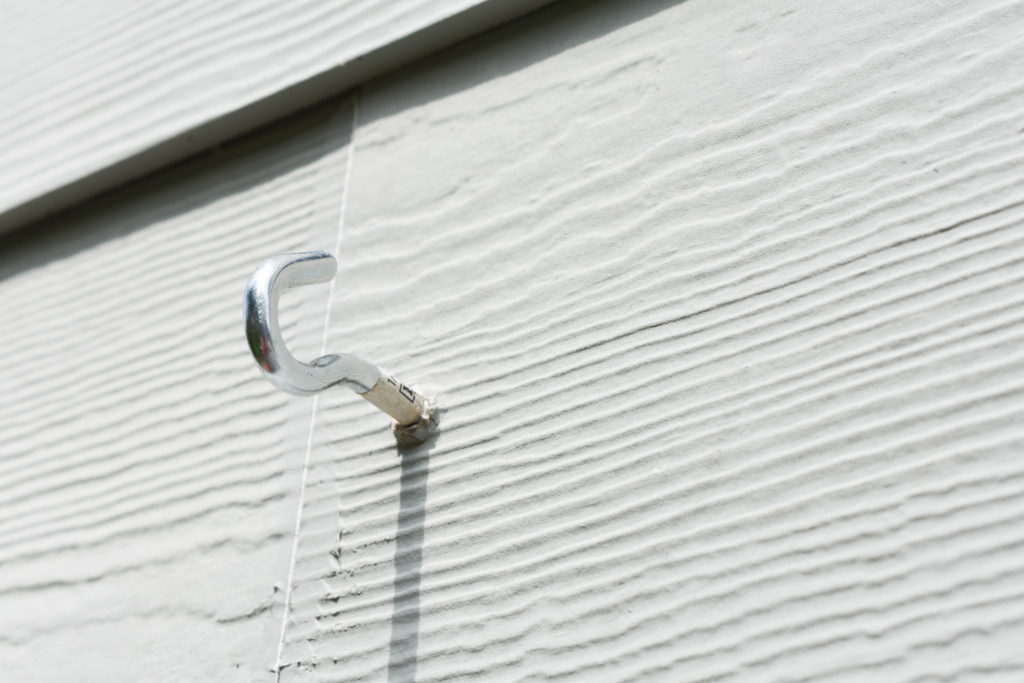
<point x="723" y="303"/>
<point x="98" y="93"/>
<point x="149" y="478"/>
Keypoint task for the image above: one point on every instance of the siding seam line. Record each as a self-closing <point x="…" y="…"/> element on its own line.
<point x="316" y="397"/>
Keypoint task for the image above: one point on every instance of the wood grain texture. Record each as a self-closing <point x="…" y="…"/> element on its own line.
<point x="149" y="473"/>
<point x="95" y="94"/>
<point x="726" y="304"/>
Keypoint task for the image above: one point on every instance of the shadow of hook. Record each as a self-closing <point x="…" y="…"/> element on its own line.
<point x="405" y="617"/>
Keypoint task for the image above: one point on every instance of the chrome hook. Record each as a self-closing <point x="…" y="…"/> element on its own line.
<point x="410" y="410"/>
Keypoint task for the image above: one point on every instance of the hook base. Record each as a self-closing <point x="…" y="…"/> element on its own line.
<point x="420" y="431"/>
<point x="415" y="415"/>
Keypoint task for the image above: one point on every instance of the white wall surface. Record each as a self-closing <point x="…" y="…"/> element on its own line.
<point x="724" y="301"/>
<point x="148" y="477"/>
<point x="93" y="94"/>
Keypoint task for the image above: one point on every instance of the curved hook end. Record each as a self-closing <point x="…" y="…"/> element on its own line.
<point x="263" y="333"/>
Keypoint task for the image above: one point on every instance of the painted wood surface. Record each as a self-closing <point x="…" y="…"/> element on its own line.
<point x="149" y="474"/>
<point x="95" y="94"/>
<point x="726" y="304"/>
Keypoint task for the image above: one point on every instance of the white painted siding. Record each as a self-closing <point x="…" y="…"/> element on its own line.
<point x="149" y="474"/>
<point x="725" y="303"/>
<point x="93" y="94"/>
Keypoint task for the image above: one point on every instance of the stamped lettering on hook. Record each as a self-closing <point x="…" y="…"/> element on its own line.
<point x="414" y="414"/>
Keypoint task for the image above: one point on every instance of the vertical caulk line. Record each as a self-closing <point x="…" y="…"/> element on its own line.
<point x="316" y="397"/>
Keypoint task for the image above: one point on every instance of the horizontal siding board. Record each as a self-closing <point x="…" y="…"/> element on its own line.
<point x="725" y="303"/>
<point x="150" y="474"/>
<point x="94" y="96"/>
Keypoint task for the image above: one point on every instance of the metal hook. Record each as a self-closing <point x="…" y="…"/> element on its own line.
<point x="406" y="406"/>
